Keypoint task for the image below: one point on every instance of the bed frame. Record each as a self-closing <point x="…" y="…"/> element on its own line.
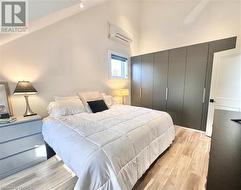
<point x="49" y="150"/>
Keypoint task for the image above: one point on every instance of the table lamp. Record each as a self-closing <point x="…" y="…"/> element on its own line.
<point x="25" y="88"/>
<point x="123" y="93"/>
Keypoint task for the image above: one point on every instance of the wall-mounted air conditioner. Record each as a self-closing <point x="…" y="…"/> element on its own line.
<point x="119" y="35"/>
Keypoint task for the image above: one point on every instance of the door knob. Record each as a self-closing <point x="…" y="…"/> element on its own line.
<point x="212" y="100"/>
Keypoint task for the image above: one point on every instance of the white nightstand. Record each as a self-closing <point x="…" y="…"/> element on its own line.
<point x="21" y="145"/>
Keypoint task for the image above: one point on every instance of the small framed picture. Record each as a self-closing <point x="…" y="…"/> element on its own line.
<point x="5" y="102"/>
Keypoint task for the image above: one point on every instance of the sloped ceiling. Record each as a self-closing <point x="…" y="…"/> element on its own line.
<point x="40" y="8"/>
<point x="46" y="12"/>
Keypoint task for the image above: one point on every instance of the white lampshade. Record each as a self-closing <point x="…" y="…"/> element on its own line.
<point x="121" y="92"/>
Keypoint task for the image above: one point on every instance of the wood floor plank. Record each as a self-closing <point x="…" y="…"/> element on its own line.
<point x="68" y="185"/>
<point x="183" y="166"/>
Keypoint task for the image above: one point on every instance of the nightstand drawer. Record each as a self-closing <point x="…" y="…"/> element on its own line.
<point x="16" y="146"/>
<point x="21" y="161"/>
<point x="12" y="132"/>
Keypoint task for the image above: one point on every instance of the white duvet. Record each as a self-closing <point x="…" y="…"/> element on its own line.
<point x="110" y="150"/>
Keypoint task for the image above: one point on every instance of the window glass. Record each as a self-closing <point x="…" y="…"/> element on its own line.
<point x="119" y="66"/>
<point x="116" y="68"/>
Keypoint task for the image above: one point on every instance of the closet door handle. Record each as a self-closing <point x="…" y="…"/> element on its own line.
<point x="166" y="94"/>
<point x="140" y="92"/>
<point x="204" y="94"/>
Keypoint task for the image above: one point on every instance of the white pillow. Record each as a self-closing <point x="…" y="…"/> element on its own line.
<point x="89" y="96"/>
<point x="108" y="99"/>
<point x="59" y="98"/>
<point x="66" y="107"/>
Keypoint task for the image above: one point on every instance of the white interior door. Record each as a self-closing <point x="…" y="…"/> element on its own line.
<point x="225" y="84"/>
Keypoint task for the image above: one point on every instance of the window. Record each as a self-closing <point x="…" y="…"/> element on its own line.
<point x="118" y="66"/>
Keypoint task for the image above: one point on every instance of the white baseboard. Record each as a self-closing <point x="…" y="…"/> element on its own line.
<point x="178" y="126"/>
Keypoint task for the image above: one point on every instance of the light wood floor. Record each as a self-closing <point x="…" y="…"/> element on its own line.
<point x="182" y="167"/>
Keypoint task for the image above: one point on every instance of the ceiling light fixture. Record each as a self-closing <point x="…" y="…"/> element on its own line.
<point x="81" y="4"/>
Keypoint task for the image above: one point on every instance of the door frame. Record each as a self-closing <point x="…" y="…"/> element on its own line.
<point x="211" y="106"/>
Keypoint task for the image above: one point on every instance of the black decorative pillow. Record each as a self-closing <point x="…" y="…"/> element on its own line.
<point x="97" y="106"/>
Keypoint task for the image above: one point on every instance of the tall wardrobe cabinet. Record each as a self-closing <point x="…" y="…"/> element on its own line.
<point x="160" y="72"/>
<point x="177" y="81"/>
<point x="194" y="89"/>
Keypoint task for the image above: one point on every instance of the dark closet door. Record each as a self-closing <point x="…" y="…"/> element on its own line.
<point x="160" y="73"/>
<point x="176" y="77"/>
<point x="194" y="92"/>
<point x="135" y="80"/>
<point x="146" y="80"/>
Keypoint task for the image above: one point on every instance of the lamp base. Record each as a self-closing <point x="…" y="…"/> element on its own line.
<point x="28" y="111"/>
<point x="32" y="114"/>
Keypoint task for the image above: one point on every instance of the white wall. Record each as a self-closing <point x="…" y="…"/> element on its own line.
<point x="67" y="57"/>
<point x="164" y="24"/>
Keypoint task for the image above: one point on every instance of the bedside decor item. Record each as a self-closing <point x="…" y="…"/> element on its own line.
<point x="7" y="120"/>
<point x="4" y="115"/>
<point x="122" y="93"/>
<point x="25" y="88"/>
<point x="5" y="102"/>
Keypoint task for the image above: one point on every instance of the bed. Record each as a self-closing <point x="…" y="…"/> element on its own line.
<point x="109" y="150"/>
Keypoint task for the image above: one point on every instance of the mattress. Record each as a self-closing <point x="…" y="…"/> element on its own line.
<point x="109" y="150"/>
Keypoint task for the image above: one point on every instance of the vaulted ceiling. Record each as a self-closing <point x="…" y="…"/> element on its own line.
<point x="42" y="13"/>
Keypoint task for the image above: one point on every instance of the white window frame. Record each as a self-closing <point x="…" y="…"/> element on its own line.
<point x="109" y="62"/>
